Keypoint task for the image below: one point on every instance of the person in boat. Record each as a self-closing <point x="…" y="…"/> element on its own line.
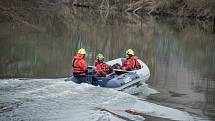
<point x="131" y="62"/>
<point x="79" y="66"/>
<point x="103" y="69"/>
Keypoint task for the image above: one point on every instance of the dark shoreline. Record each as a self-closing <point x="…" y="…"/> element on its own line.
<point x="26" y="11"/>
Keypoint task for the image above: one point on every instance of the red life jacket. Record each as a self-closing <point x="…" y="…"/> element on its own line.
<point x="79" y="64"/>
<point x="131" y="64"/>
<point x="103" y="68"/>
<point x="136" y="64"/>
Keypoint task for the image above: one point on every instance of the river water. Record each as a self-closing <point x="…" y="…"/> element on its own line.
<point x="180" y="54"/>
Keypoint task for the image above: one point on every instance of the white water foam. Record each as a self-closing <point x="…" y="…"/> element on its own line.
<point x="54" y="99"/>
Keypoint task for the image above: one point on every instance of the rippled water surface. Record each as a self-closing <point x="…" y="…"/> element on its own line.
<point x="180" y="54"/>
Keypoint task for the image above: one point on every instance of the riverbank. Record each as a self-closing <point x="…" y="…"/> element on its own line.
<point x="202" y="9"/>
<point x="24" y="11"/>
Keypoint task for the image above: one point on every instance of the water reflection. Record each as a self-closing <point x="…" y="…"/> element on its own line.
<point x="180" y="53"/>
<point x="37" y="54"/>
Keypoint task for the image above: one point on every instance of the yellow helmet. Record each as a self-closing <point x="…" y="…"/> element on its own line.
<point x="100" y="56"/>
<point x="130" y="52"/>
<point x="82" y="51"/>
